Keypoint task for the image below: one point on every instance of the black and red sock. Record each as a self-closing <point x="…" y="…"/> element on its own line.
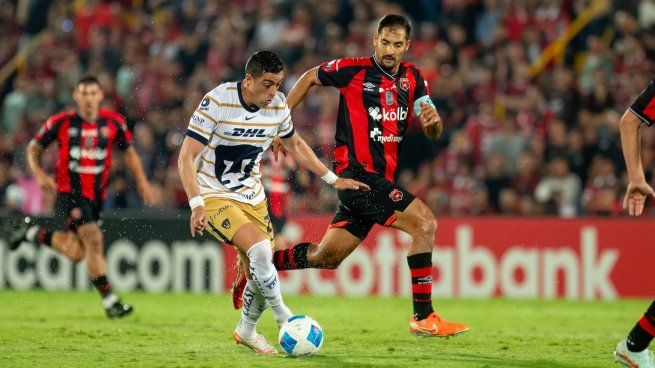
<point x="420" y="268"/>
<point x="102" y="285"/>
<point x="642" y="334"/>
<point x="294" y="258"/>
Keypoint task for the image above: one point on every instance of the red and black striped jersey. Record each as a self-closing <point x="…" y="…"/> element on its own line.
<point x="374" y="110"/>
<point x="84" y="150"/>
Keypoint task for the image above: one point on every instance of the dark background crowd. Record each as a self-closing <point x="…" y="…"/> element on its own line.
<point x="519" y="140"/>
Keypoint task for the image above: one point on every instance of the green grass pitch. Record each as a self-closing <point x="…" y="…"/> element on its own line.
<point x="69" y="329"/>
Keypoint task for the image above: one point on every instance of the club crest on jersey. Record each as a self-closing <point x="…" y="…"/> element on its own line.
<point x="396" y="195"/>
<point x="226" y="224"/>
<point x="404" y="84"/>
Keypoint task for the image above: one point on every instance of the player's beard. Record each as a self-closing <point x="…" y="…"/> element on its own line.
<point x="387" y="68"/>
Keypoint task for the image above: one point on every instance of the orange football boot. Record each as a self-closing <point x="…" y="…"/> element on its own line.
<point x="435" y="326"/>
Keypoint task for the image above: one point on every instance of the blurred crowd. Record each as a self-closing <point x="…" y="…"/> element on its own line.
<point x="519" y="140"/>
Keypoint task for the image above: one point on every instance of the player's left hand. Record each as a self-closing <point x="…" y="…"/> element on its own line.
<point x="198" y="221"/>
<point x="277" y="146"/>
<point x="431" y="121"/>
<point x="635" y="197"/>
<point x="343" y="184"/>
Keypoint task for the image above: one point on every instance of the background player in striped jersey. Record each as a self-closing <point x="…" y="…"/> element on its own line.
<point x="86" y="139"/>
<point x="379" y="96"/>
<point x="219" y="167"/>
<point x="633" y="350"/>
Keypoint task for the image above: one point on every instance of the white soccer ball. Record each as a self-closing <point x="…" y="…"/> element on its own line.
<point x="301" y="336"/>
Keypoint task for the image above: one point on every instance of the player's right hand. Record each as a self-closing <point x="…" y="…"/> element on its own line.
<point x="635" y="197"/>
<point x="343" y="184"/>
<point x="198" y="221"/>
<point x="46" y="184"/>
<point x="277" y="146"/>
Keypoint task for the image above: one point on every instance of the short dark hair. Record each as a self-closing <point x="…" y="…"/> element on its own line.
<point x="87" y="79"/>
<point x="393" y="21"/>
<point x="263" y="62"/>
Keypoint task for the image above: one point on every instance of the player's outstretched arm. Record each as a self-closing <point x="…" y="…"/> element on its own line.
<point x="302" y="86"/>
<point x="307" y="158"/>
<point x="191" y="148"/>
<point x="45" y="182"/>
<point x="133" y="163"/>
<point x="638" y="189"/>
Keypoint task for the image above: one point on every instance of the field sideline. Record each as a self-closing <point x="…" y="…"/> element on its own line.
<point x="68" y="329"/>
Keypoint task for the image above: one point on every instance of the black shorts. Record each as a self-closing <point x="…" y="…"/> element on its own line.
<point x="360" y="210"/>
<point x="77" y="210"/>
<point x="644" y="105"/>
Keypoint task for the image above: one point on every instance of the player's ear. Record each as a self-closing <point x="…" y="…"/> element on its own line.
<point x="375" y="40"/>
<point x="248" y="80"/>
<point x="407" y="45"/>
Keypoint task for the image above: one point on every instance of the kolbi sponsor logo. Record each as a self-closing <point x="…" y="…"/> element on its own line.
<point x="376" y="136"/>
<point x="78" y="153"/>
<point x="374" y="112"/>
<point x="399" y="113"/>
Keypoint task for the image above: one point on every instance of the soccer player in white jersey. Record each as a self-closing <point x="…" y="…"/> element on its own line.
<point x="219" y="167"/>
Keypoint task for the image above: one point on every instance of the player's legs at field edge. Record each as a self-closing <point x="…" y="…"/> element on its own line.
<point x="642" y="333"/>
<point x="633" y="350"/>
<point x="64" y="242"/>
<point x="91" y="237"/>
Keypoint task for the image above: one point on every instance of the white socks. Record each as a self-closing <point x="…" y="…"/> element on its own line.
<point x="264" y="274"/>
<point x="254" y="305"/>
<point x="109" y="300"/>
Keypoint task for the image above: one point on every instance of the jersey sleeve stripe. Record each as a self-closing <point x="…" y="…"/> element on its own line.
<point x="275" y="107"/>
<point x="288" y="135"/>
<point x="206" y="116"/>
<point x="207" y="174"/>
<point x="212" y="99"/>
<point x="199" y="130"/>
<point x="253" y="124"/>
<point x="196" y="136"/>
<point x="207" y="161"/>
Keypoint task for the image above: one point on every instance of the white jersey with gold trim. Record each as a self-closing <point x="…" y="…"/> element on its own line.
<point x="235" y="137"/>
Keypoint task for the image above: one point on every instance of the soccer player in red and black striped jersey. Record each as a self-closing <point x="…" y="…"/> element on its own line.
<point x="380" y="95"/>
<point x="633" y="350"/>
<point x="86" y="138"/>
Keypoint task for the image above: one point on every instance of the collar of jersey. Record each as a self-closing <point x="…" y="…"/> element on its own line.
<point x="243" y="103"/>
<point x="390" y="76"/>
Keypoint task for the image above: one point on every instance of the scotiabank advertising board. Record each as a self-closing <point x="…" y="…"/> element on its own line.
<point x="474" y="258"/>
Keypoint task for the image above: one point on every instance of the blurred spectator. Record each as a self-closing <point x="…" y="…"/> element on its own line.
<point x="559" y="190"/>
